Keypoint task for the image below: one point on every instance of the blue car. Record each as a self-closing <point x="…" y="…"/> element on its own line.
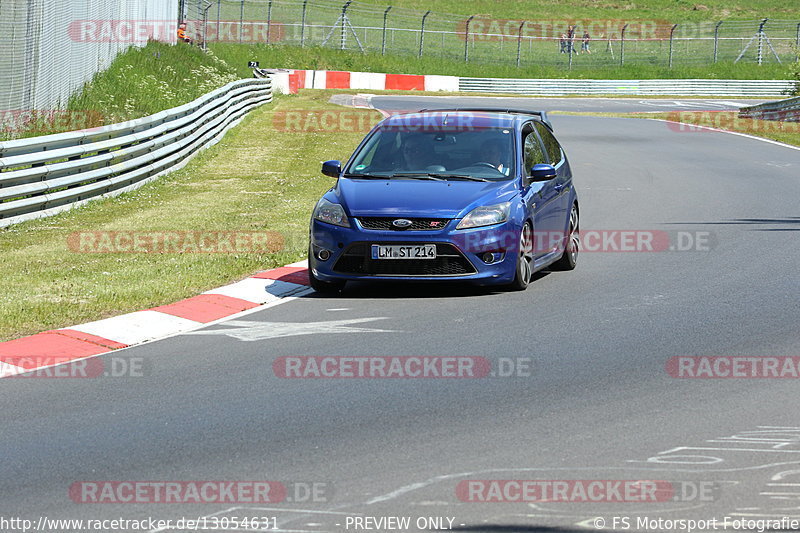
<point x="478" y="195"/>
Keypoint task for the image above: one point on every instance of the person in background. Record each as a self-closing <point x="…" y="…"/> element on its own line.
<point x="562" y="43"/>
<point x="570" y="39"/>
<point x="585" y="43"/>
<point x="182" y="33"/>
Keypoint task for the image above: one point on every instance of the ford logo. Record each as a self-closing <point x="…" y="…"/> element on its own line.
<point x="402" y="223"/>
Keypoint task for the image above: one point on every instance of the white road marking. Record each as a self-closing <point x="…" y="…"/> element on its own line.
<point x="259" y="291"/>
<point x="137" y="327"/>
<point x="762" y="139"/>
<point x="10" y="370"/>
<point x="245" y="330"/>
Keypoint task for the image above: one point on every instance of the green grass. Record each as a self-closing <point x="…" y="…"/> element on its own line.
<point x="256" y="179"/>
<point x="676" y="10"/>
<point x="273" y="56"/>
<point x="139" y="82"/>
<point x="647" y="37"/>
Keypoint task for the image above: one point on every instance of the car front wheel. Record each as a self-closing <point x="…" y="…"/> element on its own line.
<point x="524" y="271"/>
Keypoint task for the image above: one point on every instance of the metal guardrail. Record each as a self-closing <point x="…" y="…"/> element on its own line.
<point x="784" y="110"/>
<point x="41" y="176"/>
<point x="561" y="87"/>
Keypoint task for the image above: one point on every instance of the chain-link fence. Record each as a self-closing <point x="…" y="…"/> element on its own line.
<point x="49" y="49"/>
<point x="561" y="43"/>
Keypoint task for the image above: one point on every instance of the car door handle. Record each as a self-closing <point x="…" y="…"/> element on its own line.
<point x="559" y="186"/>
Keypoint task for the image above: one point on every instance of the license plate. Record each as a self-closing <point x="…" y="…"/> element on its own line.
<point x="404" y="251"/>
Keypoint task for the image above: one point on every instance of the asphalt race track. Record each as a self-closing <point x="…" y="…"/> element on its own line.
<point x="597" y="403"/>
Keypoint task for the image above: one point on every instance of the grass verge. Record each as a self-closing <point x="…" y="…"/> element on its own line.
<point x="256" y="179"/>
<point x="317" y="58"/>
<point x="139" y="82"/>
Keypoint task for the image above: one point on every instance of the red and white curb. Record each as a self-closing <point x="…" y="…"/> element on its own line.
<point x="291" y="81"/>
<point x="61" y="346"/>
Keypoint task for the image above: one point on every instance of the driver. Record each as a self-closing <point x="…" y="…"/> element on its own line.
<point x="496" y="155"/>
<point x="416" y="153"/>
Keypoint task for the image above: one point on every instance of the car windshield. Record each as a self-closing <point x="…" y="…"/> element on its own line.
<point x="396" y="152"/>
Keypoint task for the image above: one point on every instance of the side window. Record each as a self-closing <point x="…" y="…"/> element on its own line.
<point x="554" y="152"/>
<point x="532" y="149"/>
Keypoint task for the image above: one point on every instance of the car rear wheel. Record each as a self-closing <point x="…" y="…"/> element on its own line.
<point x="524" y="271"/>
<point x="569" y="258"/>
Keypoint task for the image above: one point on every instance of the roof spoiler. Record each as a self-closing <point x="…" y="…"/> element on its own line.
<point x="541" y="114"/>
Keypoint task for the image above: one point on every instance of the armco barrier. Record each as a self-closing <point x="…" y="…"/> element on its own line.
<point x="561" y="87"/>
<point x="41" y="176"/>
<point x="292" y="80"/>
<point x="785" y="110"/>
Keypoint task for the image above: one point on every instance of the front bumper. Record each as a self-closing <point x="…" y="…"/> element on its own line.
<point x="461" y="254"/>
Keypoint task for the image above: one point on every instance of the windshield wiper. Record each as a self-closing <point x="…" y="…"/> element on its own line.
<point x="418" y="175"/>
<point x="357" y="175"/>
<point x="460" y="177"/>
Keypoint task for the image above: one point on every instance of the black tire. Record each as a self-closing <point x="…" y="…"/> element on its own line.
<point x="569" y="259"/>
<point x="524" y="269"/>
<point x="325" y="287"/>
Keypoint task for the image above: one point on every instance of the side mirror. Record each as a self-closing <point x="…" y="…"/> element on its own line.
<point x="332" y="168"/>
<point x="542" y="172"/>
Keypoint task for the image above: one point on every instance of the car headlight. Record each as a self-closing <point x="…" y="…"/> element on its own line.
<point x="485" y="215"/>
<point x="331" y="213"/>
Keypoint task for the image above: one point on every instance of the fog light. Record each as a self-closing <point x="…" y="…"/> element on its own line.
<point x="492" y="257"/>
<point x="323" y="255"/>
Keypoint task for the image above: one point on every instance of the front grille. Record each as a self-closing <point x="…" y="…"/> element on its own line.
<point x="449" y="262"/>
<point x="417" y="224"/>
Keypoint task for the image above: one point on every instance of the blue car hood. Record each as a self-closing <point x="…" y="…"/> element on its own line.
<point x="407" y="197"/>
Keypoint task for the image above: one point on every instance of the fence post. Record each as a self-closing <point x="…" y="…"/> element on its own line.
<point x="466" y="39"/>
<point x="344" y="23"/>
<point x="219" y="10"/>
<point x="422" y="32"/>
<point x="205" y="26"/>
<point x="303" y="25"/>
<point x="761" y="41"/>
<point x="385" y="14"/>
<point x="241" y="21"/>
<point x="519" y="43"/>
<point x="716" y="39"/>
<point x="269" y="19"/>
<point x="622" y="46"/>
<point x="671" y="34"/>
<point x="797" y="41"/>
